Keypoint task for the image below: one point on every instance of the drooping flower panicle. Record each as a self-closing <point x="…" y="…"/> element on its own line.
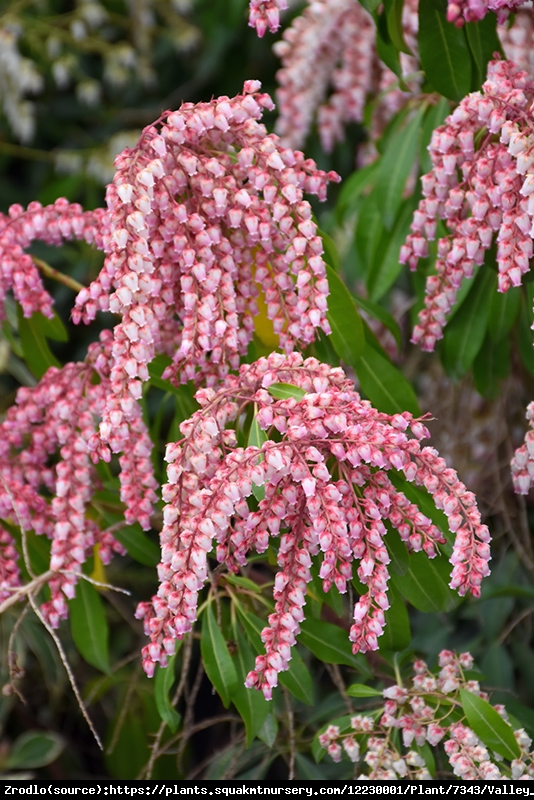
<point x="338" y="512"/>
<point x="461" y="11"/>
<point x="481" y="185"/>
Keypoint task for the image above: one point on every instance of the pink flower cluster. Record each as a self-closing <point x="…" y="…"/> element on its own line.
<point x="9" y="568"/>
<point x="461" y="11"/>
<point x="59" y="418"/>
<point x="481" y="186"/>
<point x="334" y="40"/>
<point x="52" y="224"/>
<point x="422" y="714"/>
<point x="337" y="511"/>
<point x="265" y="14"/>
<point x="202" y="212"/>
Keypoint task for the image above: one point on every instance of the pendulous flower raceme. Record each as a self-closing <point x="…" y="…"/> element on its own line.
<point x="428" y="712"/>
<point x="314" y="476"/>
<point x="461" y="11"/>
<point x="481" y="186"/>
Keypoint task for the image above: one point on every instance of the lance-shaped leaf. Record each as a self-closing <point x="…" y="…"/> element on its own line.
<point x="256" y="438"/>
<point x="489" y="726"/>
<point x="162" y="686"/>
<point x="443" y="51"/>
<point x="89" y="626"/>
<point x="347" y="335"/>
<point x="283" y="391"/>
<point x="251" y="704"/>
<point x="216" y="658"/>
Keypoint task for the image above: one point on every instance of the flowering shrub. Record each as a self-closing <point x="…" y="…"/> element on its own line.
<point x="433" y="711"/>
<point x="226" y="420"/>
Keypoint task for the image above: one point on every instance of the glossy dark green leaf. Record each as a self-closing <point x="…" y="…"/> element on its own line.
<point x="465" y="333"/>
<point x="393" y="10"/>
<point x="387" y="50"/>
<point x="34" y="749"/>
<point x="89" y="626"/>
<point x="400" y="559"/>
<point x="370" y="5"/>
<point x="138" y="545"/>
<point x="504" y="309"/>
<point x="380" y="313"/>
<point x="352" y="189"/>
<point x="426" y="584"/>
<point x="216" y="658"/>
<point x="386" y="267"/>
<point x="491" y="366"/>
<point x="284" y="391"/>
<point x="330" y="255"/>
<point x="396" y="164"/>
<point x="397" y="635"/>
<point x="385" y="385"/>
<point x="33" y="334"/>
<point x="369" y="233"/>
<point x="250" y="703"/>
<point x="483" y="42"/>
<point x="328" y="643"/>
<point x="163" y="682"/>
<point x="256" y="438"/>
<point x="489" y="726"/>
<point x="269" y="730"/>
<point x="443" y="51"/>
<point x="359" y="690"/>
<point x="347" y="329"/>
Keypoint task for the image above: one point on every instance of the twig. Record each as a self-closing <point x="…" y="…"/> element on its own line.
<point x="122" y="713"/>
<point x="291" y="728"/>
<point x="28" y="589"/>
<point x="56" y="275"/>
<point x="188" y="716"/>
<point x="12" y="658"/>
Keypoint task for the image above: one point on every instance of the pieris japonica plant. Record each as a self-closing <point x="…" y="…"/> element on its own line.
<point x="233" y="441"/>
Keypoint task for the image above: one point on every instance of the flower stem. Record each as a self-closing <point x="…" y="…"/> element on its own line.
<point x="50" y="272"/>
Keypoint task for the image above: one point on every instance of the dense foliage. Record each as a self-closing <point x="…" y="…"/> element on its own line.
<point x="227" y="547"/>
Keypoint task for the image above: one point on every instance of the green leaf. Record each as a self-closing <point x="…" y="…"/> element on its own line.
<point x="504" y="309"/>
<point x="34" y="749"/>
<point x="393" y="9"/>
<point x="386" y="267"/>
<point x="491" y="366"/>
<point x="426" y="584"/>
<point x="328" y="643"/>
<point x="284" y="391"/>
<point x="385" y="385"/>
<point x="330" y="255"/>
<point x="483" y="42"/>
<point x="217" y="660"/>
<point x="443" y="51"/>
<point x="434" y="117"/>
<point x="347" y="329"/>
<point x="370" y="5"/>
<point x="387" y="51"/>
<point x="400" y="559"/>
<point x="375" y="310"/>
<point x="256" y="438"/>
<point x="369" y="233"/>
<point x="359" y="690"/>
<point x="269" y="730"/>
<point x="163" y="682"/>
<point x="397" y="635"/>
<point x="352" y="189"/>
<point x="138" y="545"/>
<point x="396" y="164"/>
<point x="33" y="334"/>
<point x="489" y="726"/>
<point x="89" y="626"/>
<point x="250" y="703"/>
<point x="466" y="331"/>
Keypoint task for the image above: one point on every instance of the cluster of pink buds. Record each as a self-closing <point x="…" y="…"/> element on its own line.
<point x="59" y="418"/>
<point x="422" y="714"/>
<point x="202" y="212"/>
<point x="335" y="41"/>
<point x="265" y="14"/>
<point x="481" y="185"/>
<point x="9" y="567"/>
<point x="235" y="498"/>
<point x="52" y="224"/>
<point x="461" y="11"/>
